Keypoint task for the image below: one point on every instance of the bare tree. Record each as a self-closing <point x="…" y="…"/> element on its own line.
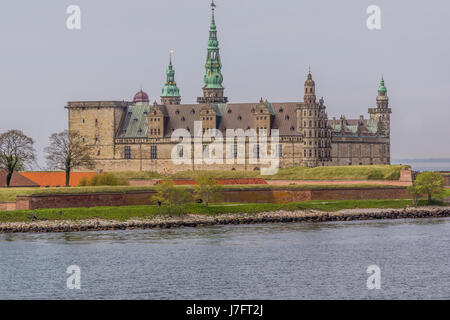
<point x="16" y="151"/>
<point x="66" y="151"/>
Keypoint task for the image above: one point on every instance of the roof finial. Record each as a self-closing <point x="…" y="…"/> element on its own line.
<point x="213" y="6"/>
<point x="171" y="53"/>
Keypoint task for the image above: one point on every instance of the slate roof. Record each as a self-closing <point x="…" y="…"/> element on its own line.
<point x="367" y="127"/>
<point x="230" y="116"/>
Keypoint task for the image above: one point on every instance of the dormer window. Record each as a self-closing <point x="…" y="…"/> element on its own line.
<point x="253" y="110"/>
<point x="192" y="111"/>
<point x="239" y="117"/>
<point x="229" y="111"/>
<point x="287" y="117"/>
<point x="281" y="110"/>
<point x="177" y="111"/>
<point x="183" y="118"/>
<point x="292" y="128"/>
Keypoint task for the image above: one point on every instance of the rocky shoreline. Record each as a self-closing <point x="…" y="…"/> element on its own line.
<point x="190" y="220"/>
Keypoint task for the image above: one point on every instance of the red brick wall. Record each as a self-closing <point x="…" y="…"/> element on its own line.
<point x="447" y="180"/>
<point x="245" y="196"/>
<point x="7" y="206"/>
<point x="360" y="194"/>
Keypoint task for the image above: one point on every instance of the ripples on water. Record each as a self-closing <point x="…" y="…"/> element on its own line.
<point x="270" y="261"/>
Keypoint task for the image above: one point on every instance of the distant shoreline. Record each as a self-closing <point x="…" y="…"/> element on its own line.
<point x="190" y="220"/>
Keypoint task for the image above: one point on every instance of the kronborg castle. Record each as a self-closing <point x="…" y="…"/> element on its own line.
<point x="136" y="135"/>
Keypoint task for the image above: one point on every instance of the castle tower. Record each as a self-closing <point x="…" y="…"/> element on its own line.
<point x="382" y="112"/>
<point x="213" y="89"/>
<point x="170" y="92"/>
<point x="313" y="123"/>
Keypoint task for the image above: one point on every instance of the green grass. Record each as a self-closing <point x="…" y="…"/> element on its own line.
<point x="446" y="192"/>
<point x="383" y="172"/>
<point x="149" y="212"/>
<point x="10" y="194"/>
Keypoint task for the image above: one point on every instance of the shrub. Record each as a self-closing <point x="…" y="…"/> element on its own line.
<point x="103" y="179"/>
<point x="83" y="182"/>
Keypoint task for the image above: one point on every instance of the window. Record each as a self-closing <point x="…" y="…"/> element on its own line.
<point x="256" y="151"/>
<point x="153" y="152"/>
<point x="205" y="151"/>
<point x="235" y="150"/>
<point x="280" y="150"/>
<point x="127" y="152"/>
<point x="180" y="151"/>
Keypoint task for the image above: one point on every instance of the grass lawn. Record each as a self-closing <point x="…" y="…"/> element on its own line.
<point x="377" y="172"/>
<point x="148" y="212"/>
<point x="10" y="194"/>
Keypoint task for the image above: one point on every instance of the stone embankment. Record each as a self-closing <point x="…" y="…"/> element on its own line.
<point x="202" y="220"/>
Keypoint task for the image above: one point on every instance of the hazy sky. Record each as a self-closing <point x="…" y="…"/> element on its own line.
<point x="266" y="48"/>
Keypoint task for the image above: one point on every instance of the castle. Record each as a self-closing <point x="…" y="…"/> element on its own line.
<point x="136" y="135"/>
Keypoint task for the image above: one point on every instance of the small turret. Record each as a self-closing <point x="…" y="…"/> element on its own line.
<point x="170" y="92"/>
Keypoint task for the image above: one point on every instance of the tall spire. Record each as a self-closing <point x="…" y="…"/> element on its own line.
<point x="213" y="89"/>
<point x="382" y="87"/>
<point x="170" y="92"/>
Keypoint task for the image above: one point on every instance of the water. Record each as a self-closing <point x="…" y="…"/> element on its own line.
<point x="425" y="164"/>
<point x="270" y="261"/>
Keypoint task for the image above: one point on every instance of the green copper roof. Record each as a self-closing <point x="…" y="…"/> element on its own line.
<point x="170" y="88"/>
<point x="135" y="122"/>
<point x="213" y="77"/>
<point x="382" y="88"/>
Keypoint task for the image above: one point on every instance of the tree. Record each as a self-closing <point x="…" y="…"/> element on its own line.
<point x="171" y="196"/>
<point x="16" y="151"/>
<point x="66" y="151"/>
<point x="207" y="189"/>
<point x="430" y="183"/>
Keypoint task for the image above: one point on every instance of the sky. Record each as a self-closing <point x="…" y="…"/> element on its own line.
<point x="266" y="49"/>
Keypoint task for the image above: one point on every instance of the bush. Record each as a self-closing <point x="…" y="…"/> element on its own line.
<point x="83" y="182"/>
<point x="103" y="179"/>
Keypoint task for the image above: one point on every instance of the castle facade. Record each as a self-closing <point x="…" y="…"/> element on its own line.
<point x="136" y="135"/>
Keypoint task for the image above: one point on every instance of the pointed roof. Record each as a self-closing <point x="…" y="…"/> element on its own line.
<point x="170" y="88"/>
<point x="382" y="87"/>
<point x="213" y="77"/>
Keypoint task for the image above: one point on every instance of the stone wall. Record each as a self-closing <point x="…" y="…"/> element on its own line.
<point x="243" y="196"/>
<point x="360" y="151"/>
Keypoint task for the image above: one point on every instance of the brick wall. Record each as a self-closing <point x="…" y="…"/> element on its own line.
<point x="447" y="180"/>
<point x="7" y="206"/>
<point x="360" y="194"/>
<point x="245" y="196"/>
